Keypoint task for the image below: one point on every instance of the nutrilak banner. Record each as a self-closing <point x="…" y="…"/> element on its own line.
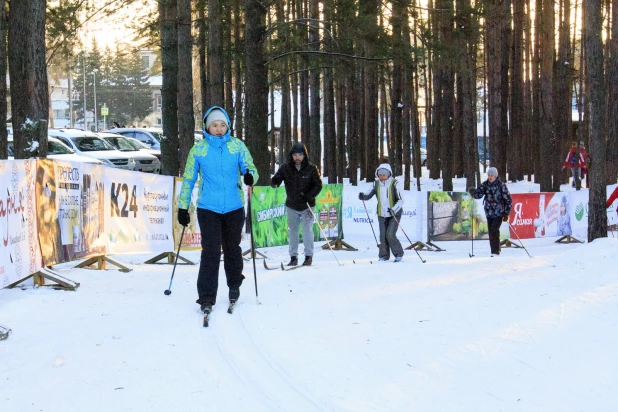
<point x="138" y="212"/>
<point x="20" y="255"/>
<point x="270" y="221"/>
<point x="70" y="210"/>
<point x="357" y="220"/>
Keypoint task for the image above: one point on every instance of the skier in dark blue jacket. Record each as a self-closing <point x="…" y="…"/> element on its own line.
<point x="497" y="205"/>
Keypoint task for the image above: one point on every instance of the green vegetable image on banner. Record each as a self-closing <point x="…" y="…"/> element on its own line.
<point x="270" y="220"/>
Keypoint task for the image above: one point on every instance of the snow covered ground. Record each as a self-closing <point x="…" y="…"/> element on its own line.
<point x="457" y="333"/>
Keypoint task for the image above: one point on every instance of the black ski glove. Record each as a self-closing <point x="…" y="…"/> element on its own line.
<point x="248" y="179"/>
<point x="361" y="196"/>
<point x="471" y="190"/>
<point x="183" y="217"/>
<point x="505" y="218"/>
<point x="305" y="198"/>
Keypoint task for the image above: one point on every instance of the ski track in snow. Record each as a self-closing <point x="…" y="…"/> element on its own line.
<point x="260" y="376"/>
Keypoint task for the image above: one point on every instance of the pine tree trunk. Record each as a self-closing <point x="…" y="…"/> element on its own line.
<point x="202" y="44"/>
<point x="4" y="151"/>
<point x="612" y="85"/>
<point x="368" y="14"/>
<point x="170" y="163"/>
<point x="286" y="127"/>
<point x="517" y="94"/>
<point x="28" y="77"/>
<point x="562" y="101"/>
<point x="397" y="106"/>
<point x="238" y="79"/>
<point x="186" y="120"/>
<point x="256" y="108"/>
<point x="227" y="60"/>
<point x="597" y="214"/>
<point x="546" y="82"/>
<point x="305" y="125"/>
<point x="315" y="144"/>
<point x="215" y="53"/>
<point x="330" y="131"/>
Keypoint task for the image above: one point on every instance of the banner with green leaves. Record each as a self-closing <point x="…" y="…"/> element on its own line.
<point x="270" y="220"/>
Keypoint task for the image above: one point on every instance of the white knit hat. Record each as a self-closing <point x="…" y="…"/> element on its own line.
<point x="214" y="115"/>
<point x="492" y="171"/>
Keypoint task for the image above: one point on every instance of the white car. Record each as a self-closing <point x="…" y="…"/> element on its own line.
<point x="145" y="148"/>
<point x="144" y="162"/>
<point x="59" y="151"/>
<point x="89" y="144"/>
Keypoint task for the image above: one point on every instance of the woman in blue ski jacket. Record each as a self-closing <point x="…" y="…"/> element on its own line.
<point x="218" y="161"/>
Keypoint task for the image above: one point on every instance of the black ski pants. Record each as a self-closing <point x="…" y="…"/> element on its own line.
<point x="493" y="225"/>
<point x="219" y="231"/>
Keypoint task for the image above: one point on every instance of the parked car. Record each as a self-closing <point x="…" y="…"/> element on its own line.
<point x="151" y="136"/>
<point x="145" y="148"/>
<point x="89" y="144"/>
<point x="59" y="151"/>
<point x="144" y="162"/>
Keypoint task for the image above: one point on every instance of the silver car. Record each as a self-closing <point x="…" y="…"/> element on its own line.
<point x="151" y="136"/>
<point x="144" y="162"/>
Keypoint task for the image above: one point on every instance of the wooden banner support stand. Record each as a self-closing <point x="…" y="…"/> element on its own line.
<point x="568" y="239"/>
<point x="338" y="244"/>
<point x="508" y="243"/>
<point x="170" y="259"/>
<point x="435" y="247"/>
<point x="39" y="279"/>
<point x="248" y="252"/>
<point x="418" y="245"/>
<point x="4" y="332"/>
<point x="101" y="263"/>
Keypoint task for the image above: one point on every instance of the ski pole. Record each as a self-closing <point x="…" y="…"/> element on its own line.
<point x="404" y="232"/>
<point x="249" y="193"/>
<point x="472" y="230"/>
<point x="522" y="244"/>
<point x="369" y="219"/>
<point x="315" y="219"/>
<point x="168" y="291"/>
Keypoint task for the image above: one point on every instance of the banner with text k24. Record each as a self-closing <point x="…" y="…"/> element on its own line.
<point x="138" y="212"/>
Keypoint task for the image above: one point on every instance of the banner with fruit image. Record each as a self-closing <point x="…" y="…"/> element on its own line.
<point x="457" y="216"/>
<point x="270" y="221"/>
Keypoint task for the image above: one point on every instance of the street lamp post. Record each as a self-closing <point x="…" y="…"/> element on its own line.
<point x="94" y="76"/>
<point x="84" y="101"/>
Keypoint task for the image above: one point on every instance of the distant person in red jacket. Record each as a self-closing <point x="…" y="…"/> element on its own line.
<point x="585" y="156"/>
<point x="575" y="162"/>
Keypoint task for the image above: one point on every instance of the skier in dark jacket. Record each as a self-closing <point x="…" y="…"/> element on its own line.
<point x="302" y="184"/>
<point x="497" y="205"/>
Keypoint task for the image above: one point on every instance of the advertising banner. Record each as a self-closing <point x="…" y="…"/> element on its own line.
<point x="193" y="237"/>
<point x="138" y="212"/>
<point x="356" y="220"/>
<point x="70" y="210"/>
<point x="545" y="214"/>
<point x="270" y="221"/>
<point x="20" y="255"/>
<point x="457" y="216"/>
